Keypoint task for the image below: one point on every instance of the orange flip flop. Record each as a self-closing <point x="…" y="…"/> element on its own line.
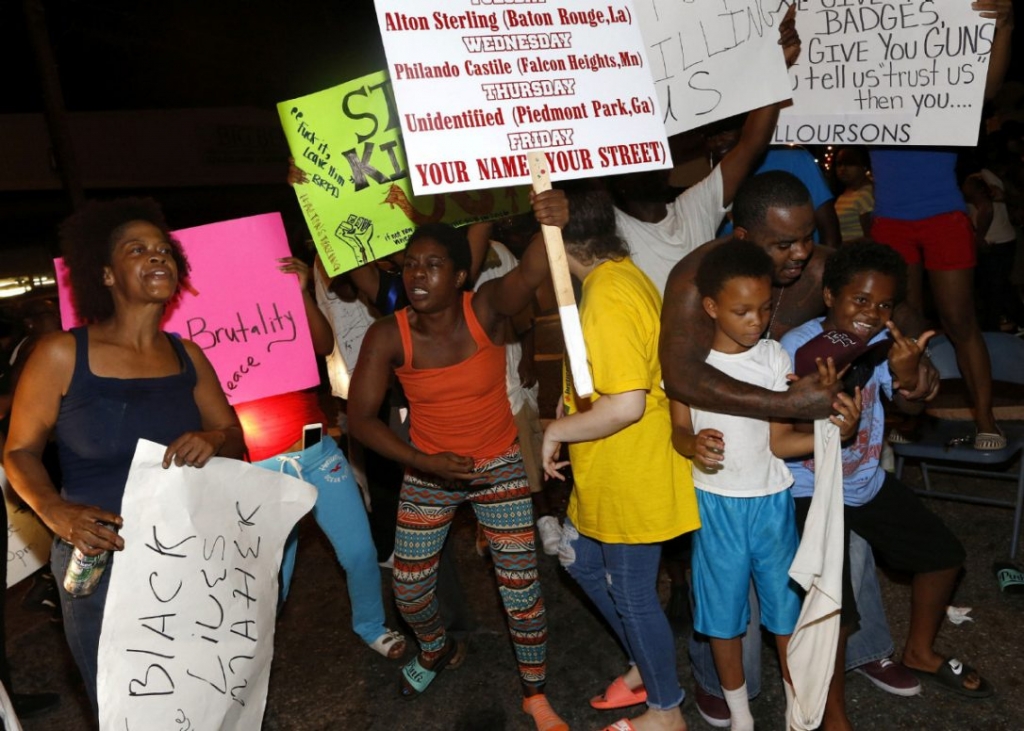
<point x="619" y="695"/>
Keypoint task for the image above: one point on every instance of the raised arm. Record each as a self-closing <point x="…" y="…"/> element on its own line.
<point x="686" y="336"/>
<point x="34" y="414"/>
<point x="319" y="328"/>
<point x="510" y="294"/>
<point x="760" y="125"/>
<point x="741" y="160"/>
<point x="479" y="235"/>
<point x="999" y="60"/>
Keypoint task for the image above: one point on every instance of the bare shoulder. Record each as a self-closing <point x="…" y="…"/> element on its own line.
<point x="383" y="339"/>
<point x="810" y="281"/>
<point x="191" y="348"/>
<point x="195" y="353"/>
<point x="54" y="352"/>
<point x="384" y="327"/>
<point x="817" y="263"/>
<point x="685" y="270"/>
<point x="52" y="361"/>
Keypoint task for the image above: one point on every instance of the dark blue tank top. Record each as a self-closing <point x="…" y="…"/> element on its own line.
<point x="102" y="419"/>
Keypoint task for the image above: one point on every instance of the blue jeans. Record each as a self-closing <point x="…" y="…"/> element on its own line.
<point x="340" y="513"/>
<point x="871" y="641"/>
<point x="83" y="617"/>
<point x="622" y="581"/>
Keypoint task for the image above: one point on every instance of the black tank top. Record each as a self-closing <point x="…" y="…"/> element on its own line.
<point x="102" y="419"/>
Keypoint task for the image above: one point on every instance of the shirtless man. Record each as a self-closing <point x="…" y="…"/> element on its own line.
<point x="774" y="210"/>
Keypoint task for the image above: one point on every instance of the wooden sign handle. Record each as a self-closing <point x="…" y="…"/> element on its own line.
<point x="568" y="313"/>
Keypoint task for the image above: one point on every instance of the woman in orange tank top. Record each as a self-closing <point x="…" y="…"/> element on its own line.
<point x="447" y="350"/>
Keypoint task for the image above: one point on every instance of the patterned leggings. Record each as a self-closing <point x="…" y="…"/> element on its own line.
<point x="500" y="496"/>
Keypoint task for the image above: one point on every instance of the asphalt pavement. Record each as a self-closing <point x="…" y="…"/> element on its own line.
<point x="324" y="678"/>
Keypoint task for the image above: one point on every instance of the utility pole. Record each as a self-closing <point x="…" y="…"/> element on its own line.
<point x="56" y="115"/>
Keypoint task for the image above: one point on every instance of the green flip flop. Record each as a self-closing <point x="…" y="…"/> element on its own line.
<point x="416" y="679"/>
<point x="1009" y="576"/>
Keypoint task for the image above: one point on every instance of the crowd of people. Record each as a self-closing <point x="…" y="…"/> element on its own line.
<point x="719" y="324"/>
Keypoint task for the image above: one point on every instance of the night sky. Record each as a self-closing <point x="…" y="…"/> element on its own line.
<point x="127" y="54"/>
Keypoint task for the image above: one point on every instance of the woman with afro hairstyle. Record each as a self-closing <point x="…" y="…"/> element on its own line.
<point x="102" y="387"/>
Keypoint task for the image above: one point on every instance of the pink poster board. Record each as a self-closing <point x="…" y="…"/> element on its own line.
<point x="248" y="316"/>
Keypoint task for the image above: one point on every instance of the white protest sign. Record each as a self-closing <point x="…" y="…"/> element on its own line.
<point x="887" y="72"/>
<point x="188" y="628"/>
<point x="712" y="59"/>
<point x="479" y="83"/>
<point x="28" y="540"/>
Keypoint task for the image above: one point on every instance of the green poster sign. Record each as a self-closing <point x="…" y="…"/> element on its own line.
<point x="358" y="199"/>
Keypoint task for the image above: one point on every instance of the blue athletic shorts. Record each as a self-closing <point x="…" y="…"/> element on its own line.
<point x="742" y="537"/>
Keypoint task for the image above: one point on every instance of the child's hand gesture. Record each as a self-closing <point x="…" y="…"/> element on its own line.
<point x="847" y="416"/>
<point x="827" y="371"/>
<point x="905" y="357"/>
<point x="709" y="449"/>
<point x="827" y="375"/>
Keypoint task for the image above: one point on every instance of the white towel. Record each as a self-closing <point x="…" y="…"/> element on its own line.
<point x="818" y="568"/>
<point x="8" y="718"/>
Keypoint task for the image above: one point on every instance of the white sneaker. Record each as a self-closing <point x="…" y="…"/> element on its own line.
<point x="550" y="534"/>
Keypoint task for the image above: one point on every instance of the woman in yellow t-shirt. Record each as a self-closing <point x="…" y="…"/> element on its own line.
<point x="632" y="491"/>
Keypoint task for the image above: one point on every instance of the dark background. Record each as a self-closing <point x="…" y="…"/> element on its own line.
<point x="136" y="55"/>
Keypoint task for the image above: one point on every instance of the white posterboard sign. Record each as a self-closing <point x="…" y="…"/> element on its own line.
<point x="887" y="72"/>
<point x="28" y="540"/>
<point x="479" y="84"/>
<point x="188" y="628"/>
<point x="712" y="59"/>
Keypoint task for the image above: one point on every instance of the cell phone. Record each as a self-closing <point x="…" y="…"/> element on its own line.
<point x="312" y="434"/>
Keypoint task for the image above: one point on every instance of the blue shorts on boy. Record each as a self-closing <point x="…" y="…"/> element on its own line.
<point x="742" y="537"/>
<point x="749" y="527"/>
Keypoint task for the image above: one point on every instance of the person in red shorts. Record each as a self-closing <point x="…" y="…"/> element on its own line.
<point x="920" y="212"/>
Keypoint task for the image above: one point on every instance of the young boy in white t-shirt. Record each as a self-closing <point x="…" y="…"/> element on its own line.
<point x="749" y="526"/>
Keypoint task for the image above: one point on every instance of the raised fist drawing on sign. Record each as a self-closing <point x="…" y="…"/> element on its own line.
<point x="356" y="232"/>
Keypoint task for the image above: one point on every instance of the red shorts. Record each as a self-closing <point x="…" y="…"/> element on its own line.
<point x="944" y="242"/>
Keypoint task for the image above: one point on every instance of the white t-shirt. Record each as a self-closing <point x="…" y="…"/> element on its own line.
<point x="691" y="220"/>
<point x="749" y="469"/>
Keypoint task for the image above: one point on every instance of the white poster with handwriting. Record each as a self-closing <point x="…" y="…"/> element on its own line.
<point x="480" y="83"/>
<point x="188" y="628"/>
<point x="28" y="540"/>
<point x="888" y="72"/>
<point x="712" y="59"/>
